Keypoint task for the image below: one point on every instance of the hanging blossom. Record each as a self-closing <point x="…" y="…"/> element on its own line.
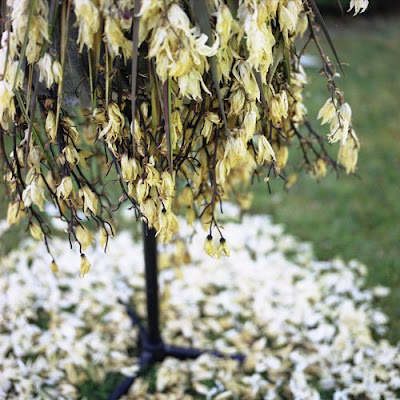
<point x="359" y="6"/>
<point x="171" y="106"/>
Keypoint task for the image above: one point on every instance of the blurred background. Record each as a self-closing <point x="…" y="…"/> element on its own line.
<point x="353" y="217"/>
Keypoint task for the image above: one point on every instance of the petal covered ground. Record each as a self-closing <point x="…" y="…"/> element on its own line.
<point x="308" y="328"/>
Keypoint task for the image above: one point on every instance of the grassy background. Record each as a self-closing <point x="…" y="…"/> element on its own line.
<point x="355" y="217"/>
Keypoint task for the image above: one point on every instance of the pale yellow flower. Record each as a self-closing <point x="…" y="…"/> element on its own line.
<point x="45" y="70"/>
<point x="186" y="197"/>
<point x="84" y="237"/>
<point x="34" y="194"/>
<point x="223" y="249"/>
<point x="116" y="39"/>
<point x="265" y="151"/>
<point x="36" y="231"/>
<point x="50" y="126"/>
<point x="54" y="267"/>
<point x="359" y="6"/>
<point x="209" y="246"/>
<point x="84" y="266"/>
<point x="57" y="72"/>
<point x="14" y="213"/>
<point x="211" y="120"/>
<point x="348" y="153"/>
<point x="279" y="107"/>
<point x="282" y="155"/>
<point x="130" y="168"/>
<point x="65" y="188"/>
<point x="87" y="15"/>
<point x="90" y="200"/>
<point x="327" y="112"/>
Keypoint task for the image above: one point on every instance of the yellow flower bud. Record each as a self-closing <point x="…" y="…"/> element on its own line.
<point x="149" y="210"/>
<point x="14" y="213"/>
<point x="105" y="233"/>
<point x="167" y="183"/>
<point x="302" y="24"/>
<point x="291" y="180"/>
<point x="223" y="248"/>
<point x="65" y="188"/>
<point x="129" y="168"/>
<point x="54" y="267"/>
<point x="90" y="200"/>
<point x="210" y="121"/>
<point x="249" y="124"/>
<point x="142" y="191"/>
<point x="84" y="266"/>
<point x="51" y="126"/>
<point x="84" y="237"/>
<point x="327" y="112"/>
<point x="348" y="153"/>
<point x="34" y="158"/>
<point x="57" y="71"/>
<point x="282" y="155"/>
<point x="279" y="107"/>
<point x="288" y="17"/>
<point x="265" y="151"/>
<point x="186" y="197"/>
<point x="45" y="70"/>
<point x="34" y="193"/>
<point x="236" y="101"/>
<point x="190" y="216"/>
<point x="71" y="155"/>
<point x="319" y="169"/>
<point x="36" y="231"/>
<point x="209" y="247"/>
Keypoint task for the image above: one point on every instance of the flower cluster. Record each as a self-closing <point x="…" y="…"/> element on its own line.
<point x="180" y="105"/>
<point x="305" y="326"/>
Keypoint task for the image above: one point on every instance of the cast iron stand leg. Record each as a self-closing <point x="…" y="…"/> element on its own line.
<point x="152" y="348"/>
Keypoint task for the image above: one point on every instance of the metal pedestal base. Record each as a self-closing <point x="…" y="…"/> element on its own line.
<point x="153" y="353"/>
<point x="152" y="348"/>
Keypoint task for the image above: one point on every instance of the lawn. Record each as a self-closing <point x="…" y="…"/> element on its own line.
<point x="355" y="217"/>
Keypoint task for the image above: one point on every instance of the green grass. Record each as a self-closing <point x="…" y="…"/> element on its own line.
<point x="355" y="217"/>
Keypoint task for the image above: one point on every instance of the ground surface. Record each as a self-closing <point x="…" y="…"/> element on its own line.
<point x="309" y="329"/>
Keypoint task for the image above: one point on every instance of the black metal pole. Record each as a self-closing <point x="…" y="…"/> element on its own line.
<point x="152" y="348"/>
<point x="151" y="276"/>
